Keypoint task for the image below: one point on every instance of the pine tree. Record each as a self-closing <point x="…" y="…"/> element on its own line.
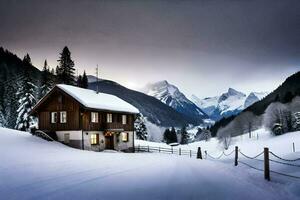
<point x="65" y="70"/>
<point x="27" y="60"/>
<point x="140" y="128"/>
<point x="79" y="81"/>
<point x="173" y="135"/>
<point x="27" y="100"/>
<point x="11" y="104"/>
<point x="184" y="136"/>
<point x="46" y="81"/>
<point x="170" y="136"/>
<point x="167" y="136"/>
<point x="85" y="83"/>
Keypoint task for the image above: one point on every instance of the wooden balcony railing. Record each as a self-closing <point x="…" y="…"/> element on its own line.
<point x="117" y="126"/>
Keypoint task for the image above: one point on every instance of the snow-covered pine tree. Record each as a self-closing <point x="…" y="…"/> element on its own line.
<point x="296" y="121"/>
<point x="2" y="101"/>
<point x="46" y="82"/>
<point x="140" y="128"/>
<point x="65" y="70"/>
<point x="184" y="136"/>
<point x="26" y="95"/>
<point x="10" y="103"/>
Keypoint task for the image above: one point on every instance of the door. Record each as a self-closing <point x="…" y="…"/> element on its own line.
<point x="109" y="142"/>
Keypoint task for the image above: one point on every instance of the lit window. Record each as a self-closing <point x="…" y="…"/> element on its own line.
<point x="53" y="117"/>
<point x="95" y="139"/>
<point x="66" y="138"/>
<point x="63" y="117"/>
<point x="124" y="119"/>
<point x="94" y="117"/>
<point x="109" y="118"/>
<point x="125" y="137"/>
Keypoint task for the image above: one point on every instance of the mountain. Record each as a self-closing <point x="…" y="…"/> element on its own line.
<point x="171" y="96"/>
<point x="155" y="111"/>
<point x="289" y="89"/>
<point x="227" y="104"/>
<point x="92" y="78"/>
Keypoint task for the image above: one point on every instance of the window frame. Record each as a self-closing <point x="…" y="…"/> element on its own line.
<point x="94" y="117"/>
<point x="94" y="139"/>
<point x="53" y="117"/>
<point x="124" y="119"/>
<point x="109" y="118"/>
<point x="61" y="117"/>
<point x="125" y="137"/>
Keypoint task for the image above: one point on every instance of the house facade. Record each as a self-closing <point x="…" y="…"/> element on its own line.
<point x="84" y="119"/>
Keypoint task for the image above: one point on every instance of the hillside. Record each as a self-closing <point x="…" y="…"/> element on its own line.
<point x="12" y="72"/>
<point x="284" y="94"/>
<point x="50" y="170"/>
<point x="173" y="97"/>
<point x="155" y="111"/>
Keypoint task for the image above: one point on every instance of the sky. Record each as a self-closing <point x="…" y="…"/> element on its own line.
<point x="201" y="46"/>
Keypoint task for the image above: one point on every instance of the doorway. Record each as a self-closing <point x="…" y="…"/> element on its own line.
<point x="109" y="142"/>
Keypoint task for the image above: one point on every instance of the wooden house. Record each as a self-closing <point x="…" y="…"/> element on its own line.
<point x="85" y="119"/>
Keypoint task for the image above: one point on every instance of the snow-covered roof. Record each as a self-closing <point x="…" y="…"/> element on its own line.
<point x="94" y="100"/>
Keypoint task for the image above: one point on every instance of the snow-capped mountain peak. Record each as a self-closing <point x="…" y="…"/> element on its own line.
<point x="173" y="97"/>
<point x="230" y="103"/>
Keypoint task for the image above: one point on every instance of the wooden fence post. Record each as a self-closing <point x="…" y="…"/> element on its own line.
<point x="294" y="149"/>
<point x="236" y="156"/>
<point x="180" y="151"/>
<point x="267" y="164"/>
<point x="190" y="153"/>
<point x="199" y="154"/>
<point x="172" y="149"/>
<point x="159" y="149"/>
<point x="205" y="154"/>
<point x="148" y="149"/>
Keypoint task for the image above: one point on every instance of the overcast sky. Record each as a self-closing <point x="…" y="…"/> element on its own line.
<point x="201" y="46"/>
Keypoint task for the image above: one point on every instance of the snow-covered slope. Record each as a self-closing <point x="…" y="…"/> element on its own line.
<point x="171" y="96"/>
<point x="32" y="168"/>
<point x="230" y="103"/>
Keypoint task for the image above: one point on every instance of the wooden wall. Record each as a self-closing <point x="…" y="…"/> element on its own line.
<point x="55" y="103"/>
<point x="78" y="118"/>
<point x="102" y="123"/>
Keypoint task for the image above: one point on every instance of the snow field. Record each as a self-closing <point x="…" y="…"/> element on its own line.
<point x="32" y="168"/>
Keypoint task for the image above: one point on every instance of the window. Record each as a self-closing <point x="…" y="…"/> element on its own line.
<point x="125" y="137"/>
<point x="66" y="138"/>
<point x="124" y="119"/>
<point x="109" y="118"/>
<point x="95" y="139"/>
<point x="94" y="117"/>
<point x="53" y="117"/>
<point x="63" y="117"/>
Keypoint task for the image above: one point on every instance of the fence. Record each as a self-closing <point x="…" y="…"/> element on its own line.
<point x="266" y="162"/>
<point x="179" y="151"/>
<point x="237" y="152"/>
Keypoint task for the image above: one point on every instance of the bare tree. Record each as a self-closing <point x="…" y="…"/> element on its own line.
<point x="224" y="136"/>
<point x="278" y="115"/>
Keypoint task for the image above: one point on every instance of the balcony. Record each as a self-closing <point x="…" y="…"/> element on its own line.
<point x="116" y="126"/>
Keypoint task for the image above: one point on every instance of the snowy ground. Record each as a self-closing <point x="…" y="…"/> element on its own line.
<point x="32" y="168"/>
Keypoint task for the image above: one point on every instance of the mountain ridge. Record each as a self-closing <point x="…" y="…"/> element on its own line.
<point x="227" y="104"/>
<point x="170" y="95"/>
